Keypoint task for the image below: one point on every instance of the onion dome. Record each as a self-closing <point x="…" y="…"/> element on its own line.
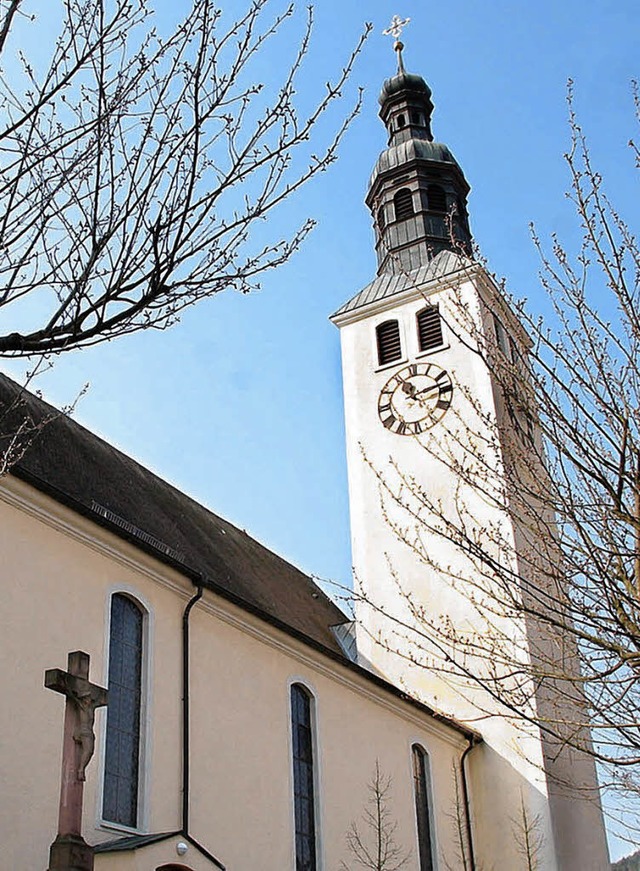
<point x="403" y="81"/>
<point x="418" y="192"/>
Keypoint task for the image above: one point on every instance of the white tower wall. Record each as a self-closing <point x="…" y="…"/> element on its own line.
<point x="408" y="575"/>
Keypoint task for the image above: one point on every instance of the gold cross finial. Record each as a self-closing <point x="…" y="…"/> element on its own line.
<point x="395" y="29"/>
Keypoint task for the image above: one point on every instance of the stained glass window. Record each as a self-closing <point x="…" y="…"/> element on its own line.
<point x="122" y="750"/>
<point x="303" y="779"/>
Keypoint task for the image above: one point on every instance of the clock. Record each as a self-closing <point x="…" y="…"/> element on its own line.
<point x="415" y="398"/>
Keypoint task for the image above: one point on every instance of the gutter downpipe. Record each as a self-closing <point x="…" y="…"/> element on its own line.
<point x="467" y="803"/>
<point x="186" y="763"/>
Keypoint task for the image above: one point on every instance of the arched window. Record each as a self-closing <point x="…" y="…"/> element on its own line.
<point x="437" y="198"/>
<point x="303" y="778"/>
<point x="429" y="328"/>
<point x="501" y="337"/>
<point x="401" y="122"/>
<point x="403" y="204"/>
<point x="382" y="221"/>
<point x="122" y="748"/>
<point x="388" y="341"/>
<point x="422" y="792"/>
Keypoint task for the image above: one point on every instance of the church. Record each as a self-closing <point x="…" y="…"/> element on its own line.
<point x="248" y="722"/>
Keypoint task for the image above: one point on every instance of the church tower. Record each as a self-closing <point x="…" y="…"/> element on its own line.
<point x="431" y="442"/>
<point x="417" y="193"/>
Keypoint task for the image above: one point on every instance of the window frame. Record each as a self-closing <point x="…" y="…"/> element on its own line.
<point x="408" y="199"/>
<point x="502" y="337"/>
<point x="145" y="732"/>
<point x="297" y="681"/>
<point x="439" y="191"/>
<point x="418" y="747"/>
<point x="435" y="348"/>
<point x="401" y="337"/>
<point x="381" y="218"/>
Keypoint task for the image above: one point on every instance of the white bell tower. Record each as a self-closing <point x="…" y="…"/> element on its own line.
<point x="431" y="440"/>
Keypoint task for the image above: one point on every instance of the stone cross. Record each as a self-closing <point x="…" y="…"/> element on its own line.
<point x="69" y="851"/>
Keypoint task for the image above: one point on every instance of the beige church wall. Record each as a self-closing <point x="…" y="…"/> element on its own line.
<point x="245" y="709"/>
<point x="56" y="590"/>
<point x="58" y="575"/>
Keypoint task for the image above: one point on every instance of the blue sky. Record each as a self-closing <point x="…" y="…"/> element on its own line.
<point x="240" y="405"/>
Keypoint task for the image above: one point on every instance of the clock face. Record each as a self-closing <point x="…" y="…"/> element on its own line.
<point x="415" y="398"/>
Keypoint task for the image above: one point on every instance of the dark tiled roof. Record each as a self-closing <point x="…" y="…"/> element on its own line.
<point x="83" y="471"/>
<point x="389" y="284"/>
<point x="138" y="842"/>
<point x="411" y="149"/>
<point x="133" y="842"/>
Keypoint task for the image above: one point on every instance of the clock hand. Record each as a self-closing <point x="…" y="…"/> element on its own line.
<point x="409" y="389"/>
<point x="427" y="390"/>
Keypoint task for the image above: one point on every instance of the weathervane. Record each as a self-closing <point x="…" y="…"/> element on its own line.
<point x="395" y="30"/>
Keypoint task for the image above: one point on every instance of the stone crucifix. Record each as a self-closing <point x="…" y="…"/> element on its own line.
<point x="69" y="850"/>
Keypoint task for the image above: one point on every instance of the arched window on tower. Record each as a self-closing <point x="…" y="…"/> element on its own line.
<point x="388" y="342"/>
<point x="303" y="752"/>
<point x="382" y="220"/>
<point x="501" y="337"/>
<point x="122" y="747"/>
<point x="422" y="794"/>
<point x="429" y="328"/>
<point x="403" y="204"/>
<point x="437" y="198"/>
<point x="401" y="122"/>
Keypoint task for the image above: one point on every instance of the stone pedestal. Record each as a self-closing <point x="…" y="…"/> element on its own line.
<point x="70" y="853"/>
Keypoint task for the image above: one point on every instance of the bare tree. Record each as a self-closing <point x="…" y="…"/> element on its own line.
<point x="372" y="844"/>
<point x="527" y="833"/>
<point x="565" y="437"/>
<point x="137" y="170"/>
<point x="461" y="860"/>
<point x="19" y="428"/>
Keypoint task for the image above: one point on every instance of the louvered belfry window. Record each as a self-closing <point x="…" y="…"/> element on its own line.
<point x="403" y="204"/>
<point x="388" y="340"/>
<point x="429" y="328"/>
<point x="437" y="198"/>
<point x="382" y="221"/>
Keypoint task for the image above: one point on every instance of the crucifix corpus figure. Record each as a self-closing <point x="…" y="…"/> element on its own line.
<point x="69" y="852"/>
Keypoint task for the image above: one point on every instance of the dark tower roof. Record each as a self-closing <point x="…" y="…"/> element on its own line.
<point x="418" y="192"/>
<point x="403" y="81"/>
